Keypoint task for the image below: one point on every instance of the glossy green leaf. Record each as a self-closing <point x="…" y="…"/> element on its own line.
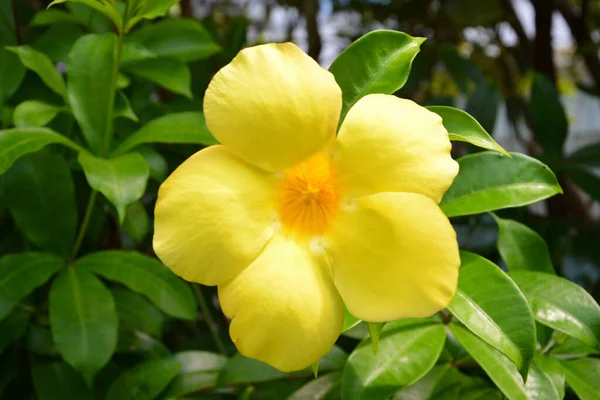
<point x="137" y="313"/>
<point x="489" y="181"/>
<point x="34" y="113"/>
<point x="185" y="39"/>
<point x="21" y="273"/>
<point x="522" y="248"/>
<point x="141" y="344"/>
<point x="407" y="351"/>
<point x="148" y="9"/>
<point x="15" y="143"/>
<point x="322" y="388"/>
<point x="240" y="369"/>
<point x="122" y="180"/>
<point x="582" y="376"/>
<point x="489" y="303"/>
<point x="52" y="17"/>
<point x="199" y="370"/>
<point x="573" y="348"/>
<point x="464" y="128"/>
<point x="12" y="72"/>
<point x="144" y="381"/>
<point x="144" y="275"/>
<point x="185" y="127"/>
<point x="13" y="326"/>
<point x="561" y="305"/>
<point x="83" y="320"/>
<point x="503" y="372"/>
<point x="59" y="381"/>
<point x="108" y="8"/>
<point x="170" y="73"/>
<point x="552" y="367"/>
<point x="378" y="62"/>
<point x="39" y="63"/>
<point x="547" y="115"/>
<point x="588" y="156"/>
<point x="137" y="222"/>
<point x="92" y="78"/>
<point x="40" y="196"/>
<point x="425" y="387"/>
<point x="586" y="180"/>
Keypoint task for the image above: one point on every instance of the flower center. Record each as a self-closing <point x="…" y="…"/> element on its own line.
<point x="309" y="197"/>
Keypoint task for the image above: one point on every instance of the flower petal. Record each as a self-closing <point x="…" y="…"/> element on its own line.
<point x="285" y="309"/>
<point x="394" y="256"/>
<point x="213" y="216"/>
<point x="388" y="144"/>
<point x="273" y="106"/>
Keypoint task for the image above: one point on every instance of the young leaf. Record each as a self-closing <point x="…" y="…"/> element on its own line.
<point x="40" y="64"/>
<point x="561" y="304"/>
<point x="185" y="39"/>
<point x="21" y="273"/>
<point x="582" y="375"/>
<point x="522" y="248"/>
<point x="15" y="143"/>
<point x="493" y="307"/>
<point x="464" y="128"/>
<point x="122" y="180"/>
<point x="548" y="115"/>
<point x="407" y="351"/>
<point x="378" y="62"/>
<point x="40" y="196"/>
<point x="83" y="320"/>
<point x="489" y="181"/>
<point x="320" y="388"/>
<point x="34" y="113"/>
<point x="92" y="79"/>
<point x="170" y="73"/>
<point x="58" y="380"/>
<point x="144" y="381"/>
<point x="146" y="276"/>
<point x="123" y="108"/>
<point x="185" y="127"/>
<point x="147" y="9"/>
<point x="107" y="8"/>
<point x="503" y="372"/>
<point x="199" y="370"/>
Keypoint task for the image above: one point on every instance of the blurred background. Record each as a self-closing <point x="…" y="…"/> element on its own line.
<point x="480" y="56"/>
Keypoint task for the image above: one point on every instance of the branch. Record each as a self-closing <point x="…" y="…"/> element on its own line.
<point x="309" y="9"/>
<point x="515" y="23"/>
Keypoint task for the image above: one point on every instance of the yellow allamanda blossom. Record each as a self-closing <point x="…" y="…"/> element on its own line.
<point x="292" y="222"/>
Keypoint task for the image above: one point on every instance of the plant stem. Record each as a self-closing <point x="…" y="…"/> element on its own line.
<point x="209" y="319"/>
<point x="84" y="225"/>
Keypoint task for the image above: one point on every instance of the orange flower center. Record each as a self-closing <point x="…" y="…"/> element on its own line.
<point x="309" y="197"/>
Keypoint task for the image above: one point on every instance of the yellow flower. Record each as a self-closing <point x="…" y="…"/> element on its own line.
<point x="290" y="220"/>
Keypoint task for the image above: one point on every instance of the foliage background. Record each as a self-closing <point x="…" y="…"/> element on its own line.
<point x="479" y="56"/>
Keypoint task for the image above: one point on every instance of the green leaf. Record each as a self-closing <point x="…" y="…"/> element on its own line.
<point x="240" y="369"/>
<point x="199" y="370"/>
<point x="40" y="196"/>
<point x="170" y="73"/>
<point x="425" y="387"/>
<point x="588" y="156"/>
<point x="547" y="115"/>
<point x="122" y="180"/>
<point x="561" y="305"/>
<point x="15" y="143"/>
<point x="586" y="180"/>
<point x="156" y="161"/>
<point x="322" y="388"/>
<point x="146" y="276"/>
<point x="23" y="272"/>
<point x="106" y="7"/>
<point x="13" y="327"/>
<point x="572" y="348"/>
<point x="522" y="248"/>
<point x="554" y="370"/>
<point x="489" y="303"/>
<point x="39" y="341"/>
<point x="34" y="113"/>
<point x="12" y="72"/>
<point x="484" y="103"/>
<point x="92" y="78"/>
<point x="52" y="17"/>
<point x="123" y="108"/>
<point x="137" y="223"/>
<point x="185" y="39"/>
<point x="83" y="320"/>
<point x="350" y="321"/>
<point x="185" y="127"/>
<point x="58" y="381"/>
<point x="148" y="9"/>
<point x="489" y="181"/>
<point x="145" y="381"/>
<point x="42" y="65"/>
<point x="374" y="333"/>
<point x="464" y="128"/>
<point x="407" y="351"/>
<point x="137" y="313"/>
<point x="378" y="62"/>
<point x="503" y="372"/>
<point x="58" y="41"/>
<point x="582" y="375"/>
